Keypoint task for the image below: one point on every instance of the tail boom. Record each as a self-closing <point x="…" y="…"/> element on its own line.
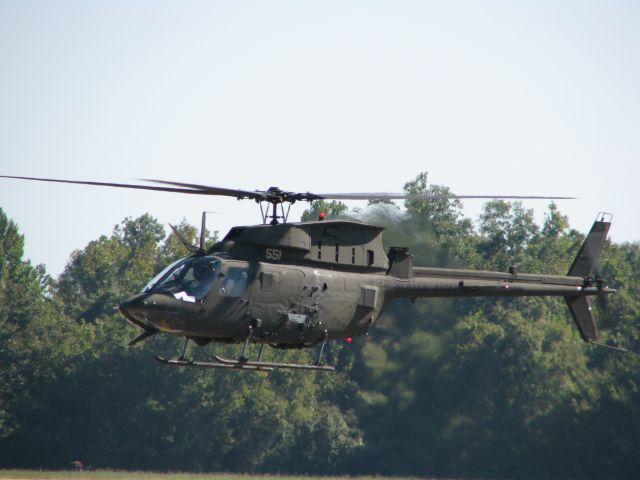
<point x="456" y="285"/>
<point x="582" y="281"/>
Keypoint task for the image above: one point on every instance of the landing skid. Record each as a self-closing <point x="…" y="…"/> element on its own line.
<point x="215" y="364"/>
<point x="271" y="365"/>
<point x="221" y="362"/>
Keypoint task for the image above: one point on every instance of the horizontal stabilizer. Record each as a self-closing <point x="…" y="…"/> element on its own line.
<point x="582" y="314"/>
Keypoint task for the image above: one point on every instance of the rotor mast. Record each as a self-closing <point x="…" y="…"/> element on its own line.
<point x="275" y="199"/>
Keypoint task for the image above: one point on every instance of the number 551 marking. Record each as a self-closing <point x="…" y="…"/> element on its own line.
<point x="273" y="254"/>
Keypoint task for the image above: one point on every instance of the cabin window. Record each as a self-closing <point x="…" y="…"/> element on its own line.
<point x="370" y="257"/>
<point x="234" y="283"/>
<point x="319" y="250"/>
<point x="337" y="252"/>
<point x="353" y="255"/>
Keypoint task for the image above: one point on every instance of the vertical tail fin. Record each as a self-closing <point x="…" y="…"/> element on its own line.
<point x="586" y="265"/>
<point x="589" y="255"/>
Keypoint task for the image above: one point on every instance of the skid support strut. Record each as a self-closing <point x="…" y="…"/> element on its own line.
<point x="325" y="335"/>
<point x="243" y="356"/>
<point x="184" y="349"/>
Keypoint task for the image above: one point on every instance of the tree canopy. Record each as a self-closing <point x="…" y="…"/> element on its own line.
<point x="475" y="387"/>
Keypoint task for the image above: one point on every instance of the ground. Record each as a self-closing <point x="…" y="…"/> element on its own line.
<point x="121" y="475"/>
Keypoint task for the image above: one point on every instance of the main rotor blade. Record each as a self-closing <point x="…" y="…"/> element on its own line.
<point x="278" y="196"/>
<point x="208" y="190"/>
<point x="406" y="196"/>
<point x="117" y="185"/>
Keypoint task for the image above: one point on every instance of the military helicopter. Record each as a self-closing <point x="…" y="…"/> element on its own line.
<point x="295" y="285"/>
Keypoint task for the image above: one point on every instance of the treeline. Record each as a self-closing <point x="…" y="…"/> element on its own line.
<point x="450" y="388"/>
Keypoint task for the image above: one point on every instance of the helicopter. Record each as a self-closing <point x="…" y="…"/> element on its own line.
<point x="302" y="284"/>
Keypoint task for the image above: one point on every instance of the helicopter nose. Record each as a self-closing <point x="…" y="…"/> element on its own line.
<point x="135" y="310"/>
<point x="159" y="311"/>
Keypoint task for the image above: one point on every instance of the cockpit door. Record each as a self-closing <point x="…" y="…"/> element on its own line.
<point x="272" y="293"/>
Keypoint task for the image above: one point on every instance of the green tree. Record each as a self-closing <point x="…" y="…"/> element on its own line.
<point x="432" y="211"/>
<point x="465" y="387"/>
<point x="33" y="340"/>
<point x="507" y="229"/>
<point x="332" y="209"/>
<point x="114" y="407"/>
<point x="110" y="269"/>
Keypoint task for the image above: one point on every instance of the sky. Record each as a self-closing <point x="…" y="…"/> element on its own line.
<point x="489" y="97"/>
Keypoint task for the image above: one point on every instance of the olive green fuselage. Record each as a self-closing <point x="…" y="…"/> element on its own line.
<point x="294" y="305"/>
<point x="293" y="285"/>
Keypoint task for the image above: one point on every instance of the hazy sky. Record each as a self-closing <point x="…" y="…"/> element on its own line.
<point x="499" y="97"/>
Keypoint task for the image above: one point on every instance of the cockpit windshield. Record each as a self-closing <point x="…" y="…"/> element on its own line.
<point x="162" y="274"/>
<point x="189" y="279"/>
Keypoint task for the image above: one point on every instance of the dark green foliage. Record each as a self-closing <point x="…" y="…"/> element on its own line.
<point x="458" y="388"/>
<point x="90" y="397"/>
<point x="332" y="209"/>
<point x="36" y="342"/>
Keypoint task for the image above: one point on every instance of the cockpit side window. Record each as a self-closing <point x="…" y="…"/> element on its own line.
<point x="234" y="283"/>
<point x="200" y="277"/>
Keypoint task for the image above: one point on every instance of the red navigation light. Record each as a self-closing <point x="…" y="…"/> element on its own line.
<point x="322" y="216"/>
<point x="349" y="339"/>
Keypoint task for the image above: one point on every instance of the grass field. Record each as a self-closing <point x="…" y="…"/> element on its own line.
<point x="122" y="475"/>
